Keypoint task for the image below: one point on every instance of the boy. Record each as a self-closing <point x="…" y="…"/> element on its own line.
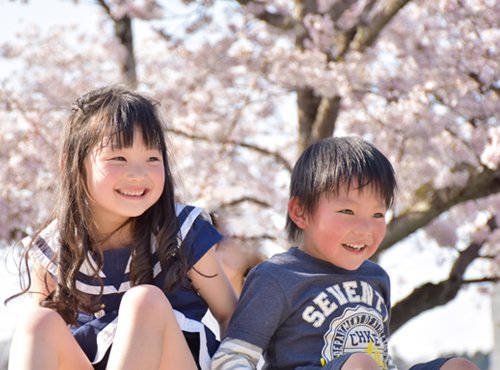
<point x="323" y="304"/>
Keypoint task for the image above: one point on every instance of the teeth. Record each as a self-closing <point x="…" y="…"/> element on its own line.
<point x="132" y="193"/>
<point x="355" y="246"/>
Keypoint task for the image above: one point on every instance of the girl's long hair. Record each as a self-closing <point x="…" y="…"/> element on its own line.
<point x="110" y="113"/>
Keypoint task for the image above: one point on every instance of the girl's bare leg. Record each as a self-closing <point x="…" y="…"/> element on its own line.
<point x="148" y="336"/>
<point x="43" y="341"/>
<point x="360" y="361"/>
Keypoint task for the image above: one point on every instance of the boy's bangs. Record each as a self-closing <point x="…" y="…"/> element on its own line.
<point x="378" y="184"/>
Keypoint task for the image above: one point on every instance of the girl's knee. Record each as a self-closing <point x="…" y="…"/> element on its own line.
<point x="360" y="361"/>
<point x="459" y="363"/>
<point x="41" y="320"/>
<point x="145" y="299"/>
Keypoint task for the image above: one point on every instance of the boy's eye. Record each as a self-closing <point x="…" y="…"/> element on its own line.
<point x="346" y="211"/>
<point x="379" y="215"/>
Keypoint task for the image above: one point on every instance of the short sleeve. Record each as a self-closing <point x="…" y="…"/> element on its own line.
<point x="196" y="231"/>
<point x="45" y="248"/>
<point x="260" y="293"/>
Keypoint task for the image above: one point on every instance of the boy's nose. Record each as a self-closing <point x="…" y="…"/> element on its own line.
<point x="363" y="227"/>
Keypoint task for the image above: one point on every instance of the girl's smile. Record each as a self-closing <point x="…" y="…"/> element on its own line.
<point x="123" y="182"/>
<point x="131" y="193"/>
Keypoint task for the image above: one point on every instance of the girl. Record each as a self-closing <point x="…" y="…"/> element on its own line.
<point x="122" y="268"/>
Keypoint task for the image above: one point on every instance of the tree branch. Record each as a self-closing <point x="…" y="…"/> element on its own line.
<point x="493" y="279"/>
<point x="431" y="295"/>
<point x="279" y="21"/>
<point x="106" y="8"/>
<point x="244" y="199"/>
<point x="250" y="237"/>
<point x="326" y="116"/>
<point x="366" y="34"/>
<point x="338" y="9"/>
<point x="280" y="159"/>
<point x="421" y="299"/>
<point x="479" y="185"/>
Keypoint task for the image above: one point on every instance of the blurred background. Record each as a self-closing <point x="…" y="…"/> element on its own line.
<point x="244" y="87"/>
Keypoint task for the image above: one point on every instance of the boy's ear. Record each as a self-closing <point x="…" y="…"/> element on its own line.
<point x="296" y="213"/>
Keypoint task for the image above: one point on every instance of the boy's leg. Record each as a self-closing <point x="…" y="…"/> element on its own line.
<point x="360" y="361"/>
<point x="148" y="336"/>
<point x="459" y="363"/>
<point x="454" y="363"/>
<point x="43" y="341"/>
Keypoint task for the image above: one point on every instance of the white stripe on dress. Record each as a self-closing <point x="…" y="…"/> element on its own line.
<point x="94" y="289"/>
<point x="89" y="265"/>
<point x="188" y="222"/>
<point x="105" y="339"/>
<point x="193" y="326"/>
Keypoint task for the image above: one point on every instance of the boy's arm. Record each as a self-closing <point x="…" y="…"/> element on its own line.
<point x="235" y="354"/>
<point x="260" y="311"/>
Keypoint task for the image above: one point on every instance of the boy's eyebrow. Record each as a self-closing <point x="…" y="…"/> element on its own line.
<point x="381" y="205"/>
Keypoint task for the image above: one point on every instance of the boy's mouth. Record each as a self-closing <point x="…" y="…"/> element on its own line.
<point x="354" y="247"/>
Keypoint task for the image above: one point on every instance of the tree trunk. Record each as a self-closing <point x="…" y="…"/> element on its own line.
<point x="123" y="31"/>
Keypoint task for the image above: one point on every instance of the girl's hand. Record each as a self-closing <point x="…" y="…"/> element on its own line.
<point x="212" y="284"/>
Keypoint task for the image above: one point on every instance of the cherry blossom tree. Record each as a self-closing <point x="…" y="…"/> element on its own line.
<point x="245" y="85"/>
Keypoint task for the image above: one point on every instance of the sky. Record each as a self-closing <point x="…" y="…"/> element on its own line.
<point x="464" y="325"/>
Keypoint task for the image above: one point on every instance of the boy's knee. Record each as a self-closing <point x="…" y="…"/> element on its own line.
<point x="459" y="363"/>
<point x="360" y="361"/>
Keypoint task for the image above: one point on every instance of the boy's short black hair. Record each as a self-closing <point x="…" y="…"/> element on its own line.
<point x="330" y="163"/>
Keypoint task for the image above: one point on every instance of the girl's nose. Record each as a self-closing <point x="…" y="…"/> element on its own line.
<point x="136" y="172"/>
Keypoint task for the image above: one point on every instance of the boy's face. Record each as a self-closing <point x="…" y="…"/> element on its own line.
<point x="346" y="228"/>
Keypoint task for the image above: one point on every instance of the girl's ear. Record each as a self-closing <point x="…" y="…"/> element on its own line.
<point x="296" y="213"/>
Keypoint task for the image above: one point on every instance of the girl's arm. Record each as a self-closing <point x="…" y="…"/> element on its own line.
<point x="42" y="283"/>
<point x="208" y="277"/>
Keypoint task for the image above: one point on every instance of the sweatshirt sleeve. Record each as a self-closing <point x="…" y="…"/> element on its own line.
<point x="236" y="354"/>
<point x="262" y="308"/>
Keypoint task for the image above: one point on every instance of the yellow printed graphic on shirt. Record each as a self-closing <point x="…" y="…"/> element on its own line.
<point x="358" y="329"/>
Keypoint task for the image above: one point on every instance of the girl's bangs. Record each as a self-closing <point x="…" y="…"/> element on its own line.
<point x="117" y="131"/>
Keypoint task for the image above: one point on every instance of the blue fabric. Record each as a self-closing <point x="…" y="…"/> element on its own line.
<point x="200" y="236"/>
<point x="303" y="311"/>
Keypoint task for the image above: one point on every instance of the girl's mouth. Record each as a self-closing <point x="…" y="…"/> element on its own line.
<point x="134" y="193"/>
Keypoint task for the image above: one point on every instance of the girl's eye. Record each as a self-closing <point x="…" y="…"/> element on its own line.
<point x="154" y="159"/>
<point x="379" y="215"/>
<point x="346" y="211"/>
<point x="119" y="158"/>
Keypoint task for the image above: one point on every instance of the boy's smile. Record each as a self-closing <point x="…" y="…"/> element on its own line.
<point x="345" y="229"/>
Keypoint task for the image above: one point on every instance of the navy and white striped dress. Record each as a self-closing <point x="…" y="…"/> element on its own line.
<point x="95" y="333"/>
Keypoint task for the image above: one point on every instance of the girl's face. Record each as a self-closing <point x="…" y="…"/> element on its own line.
<point x="346" y="228"/>
<point x="123" y="182"/>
